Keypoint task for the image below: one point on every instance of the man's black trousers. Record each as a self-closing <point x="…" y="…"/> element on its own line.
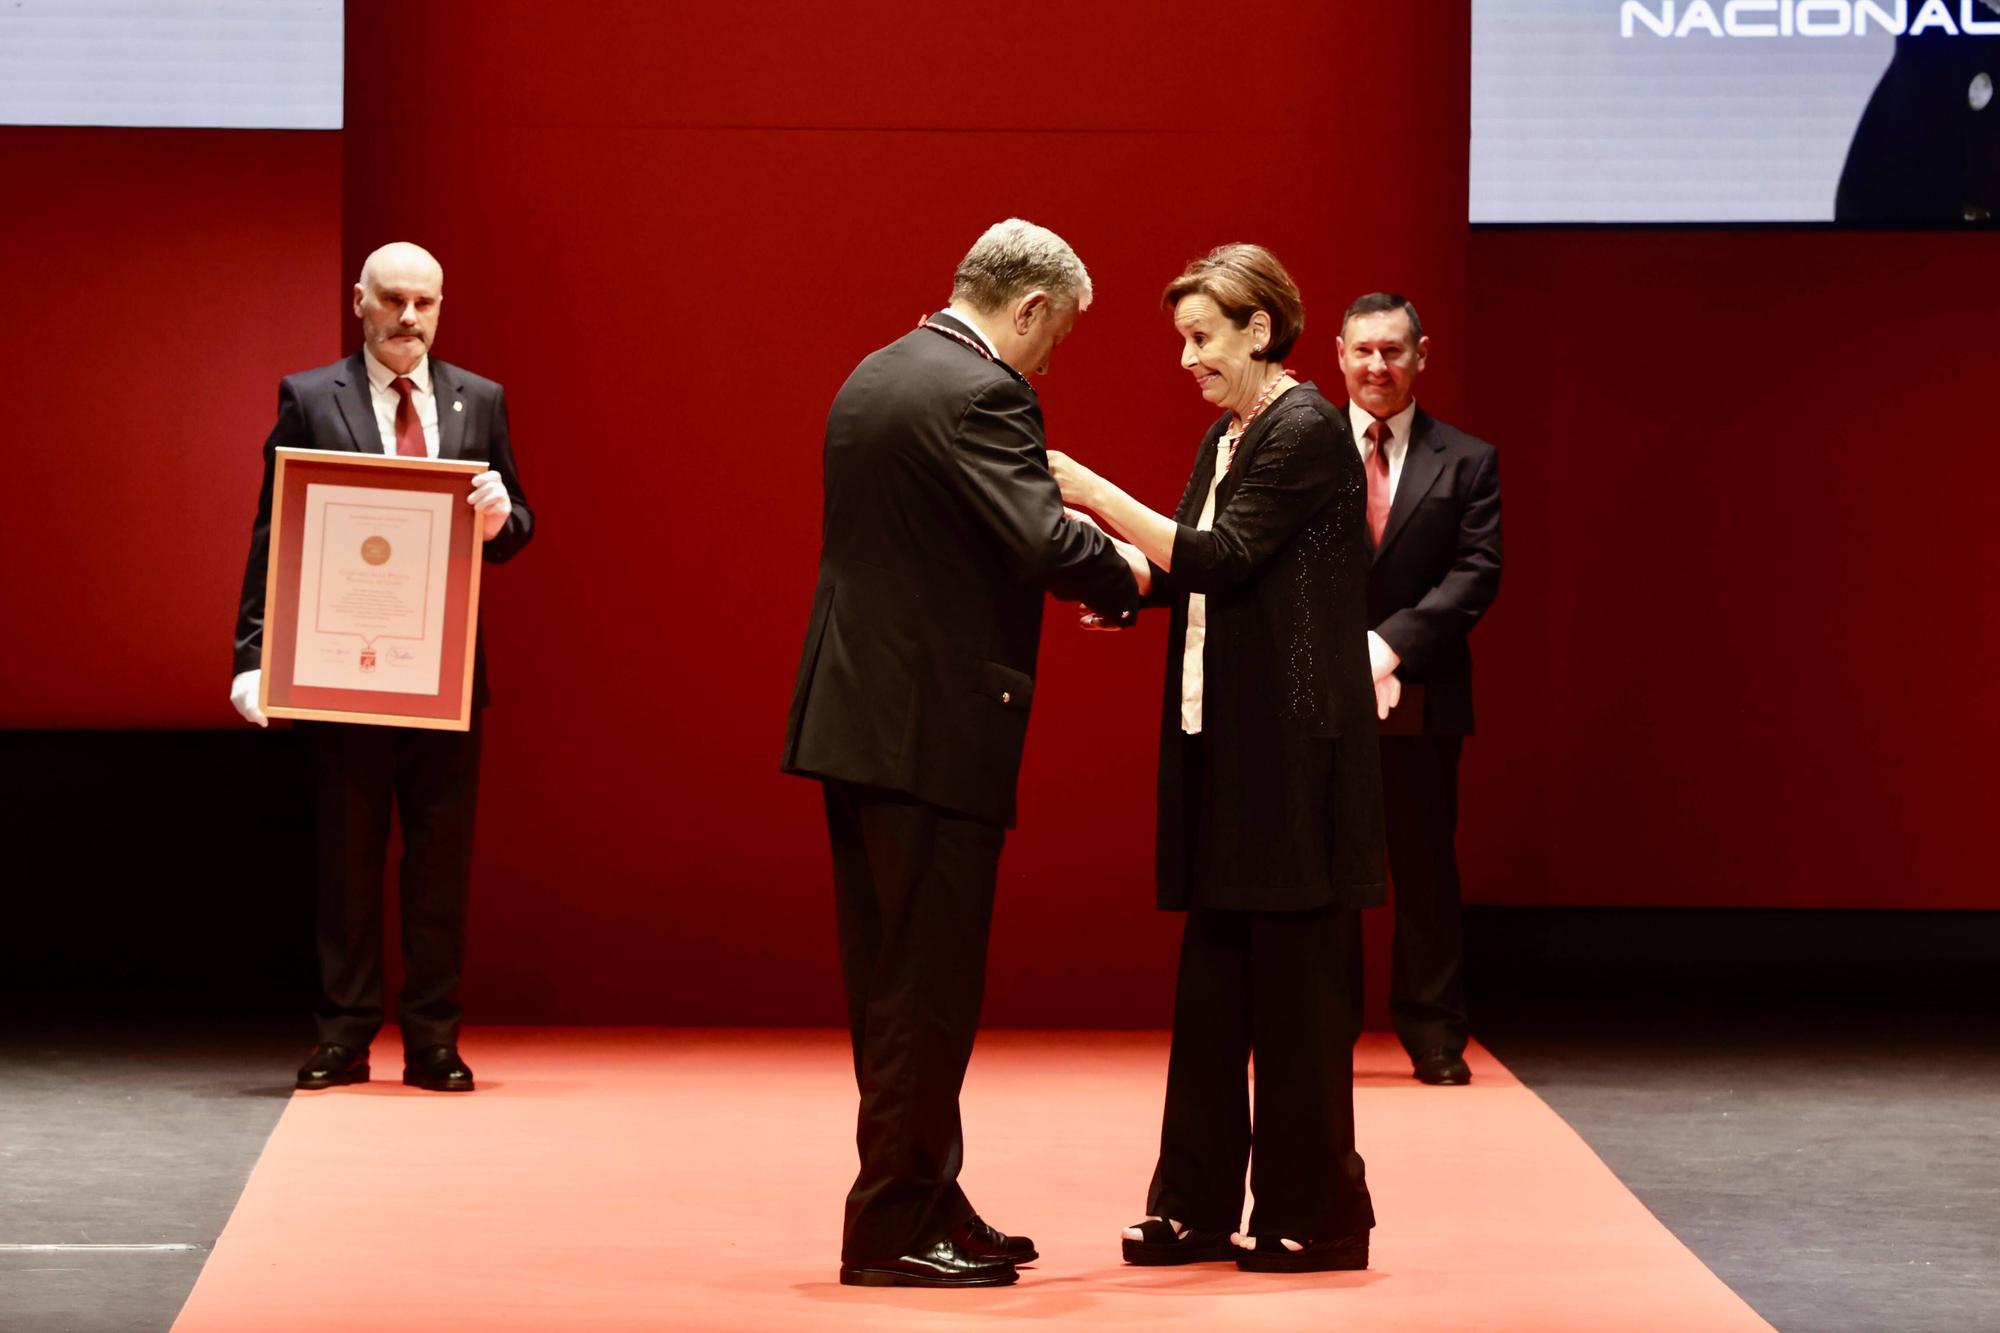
<point x="430" y="779"/>
<point x="913" y="890"/>
<point x="1426" y="976"/>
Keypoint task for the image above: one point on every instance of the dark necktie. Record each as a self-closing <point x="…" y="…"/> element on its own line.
<point x="409" y="430"/>
<point x="1379" y="435"/>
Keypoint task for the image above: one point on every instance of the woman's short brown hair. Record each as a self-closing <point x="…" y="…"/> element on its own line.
<point x="1243" y="279"/>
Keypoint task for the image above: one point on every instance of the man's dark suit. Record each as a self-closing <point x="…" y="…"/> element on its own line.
<point x="1435" y="572"/>
<point x="358" y="772"/>
<point x="941" y="530"/>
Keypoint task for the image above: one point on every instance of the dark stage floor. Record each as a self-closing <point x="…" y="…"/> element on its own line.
<point x="1832" y="1165"/>
<point x="115" y="1135"/>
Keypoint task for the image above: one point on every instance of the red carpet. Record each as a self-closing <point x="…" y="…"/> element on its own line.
<point x="638" y="1179"/>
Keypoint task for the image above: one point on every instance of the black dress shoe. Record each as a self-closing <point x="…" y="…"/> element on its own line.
<point x="1442" y="1068"/>
<point x="437" y="1068"/>
<point x="332" y="1066"/>
<point x="977" y="1238"/>
<point x="1341" y="1253"/>
<point x="944" y="1264"/>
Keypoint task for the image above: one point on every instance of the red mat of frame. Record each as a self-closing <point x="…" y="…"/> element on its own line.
<point x="645" y="1179"/>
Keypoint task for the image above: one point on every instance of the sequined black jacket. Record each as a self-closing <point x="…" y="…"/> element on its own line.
<point x="1288" y="815"/>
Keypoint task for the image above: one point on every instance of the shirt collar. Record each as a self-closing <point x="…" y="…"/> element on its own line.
<point x="977" y="332"/>
<point x="380" y="375"/>
<point x="1399" y="425"/>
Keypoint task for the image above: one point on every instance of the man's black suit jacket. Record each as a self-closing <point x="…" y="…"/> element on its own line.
<point x="1438" y="567"/>
<point x="942" y="528"/>
<point x="330" y="408"/>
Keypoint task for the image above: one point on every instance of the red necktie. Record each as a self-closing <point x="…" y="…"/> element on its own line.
<point x="1379" y="435"/>
<point x="409" y="430"/>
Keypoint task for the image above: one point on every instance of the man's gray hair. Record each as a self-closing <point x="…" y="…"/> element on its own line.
<point x="1014" y="258"/>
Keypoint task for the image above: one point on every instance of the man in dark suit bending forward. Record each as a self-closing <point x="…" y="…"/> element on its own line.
<point x="942" y="527"/>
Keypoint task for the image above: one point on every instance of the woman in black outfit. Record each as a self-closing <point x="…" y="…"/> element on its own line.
<point x="1270" y="805"/>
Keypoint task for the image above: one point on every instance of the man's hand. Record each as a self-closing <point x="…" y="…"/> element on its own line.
<point x="489" y="497"/>
<point x="243" y="692"/>
<point x="1382" y="664"/>
<point x="1078" y="483"/>
<point x="1382" y="659"/>
<point x="1135" y="560"/>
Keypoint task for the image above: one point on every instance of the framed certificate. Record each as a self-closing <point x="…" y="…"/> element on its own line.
<point x="371" y="602"/>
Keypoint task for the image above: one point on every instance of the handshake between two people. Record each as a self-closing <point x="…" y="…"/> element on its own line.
<point x="488" y="498"/>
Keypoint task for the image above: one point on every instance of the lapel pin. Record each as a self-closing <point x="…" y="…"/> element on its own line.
<point x="457" y="405"/>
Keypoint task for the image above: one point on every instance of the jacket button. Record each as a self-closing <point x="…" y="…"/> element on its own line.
<point x="1006" y="696"/>
<point x="1980" y="92"/>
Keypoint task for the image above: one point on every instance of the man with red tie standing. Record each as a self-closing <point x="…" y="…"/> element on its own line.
<point x="390" y="397"/>
<point x="1434" y="524"/>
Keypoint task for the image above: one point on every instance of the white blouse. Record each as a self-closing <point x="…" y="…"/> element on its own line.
<point x="1197" y="623"/>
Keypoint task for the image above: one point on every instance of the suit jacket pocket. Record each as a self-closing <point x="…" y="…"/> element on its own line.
<point x="1002" y="684"/>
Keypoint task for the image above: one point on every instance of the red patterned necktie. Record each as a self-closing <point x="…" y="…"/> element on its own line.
<point x="1379" y="435"/>
<point x="409" y="430"/>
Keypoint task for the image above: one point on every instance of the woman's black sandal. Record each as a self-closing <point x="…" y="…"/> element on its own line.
<point x="1162" y="1244"/>
<point x="1319" y="1256"/>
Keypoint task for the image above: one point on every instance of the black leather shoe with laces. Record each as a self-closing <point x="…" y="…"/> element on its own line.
<point x="331" y="1066"/>
<point x="1442" y="1069"/>
<point x="941" y="1265"/>
<point x="976" y="1237"/>
<point x="437" y="1069"/>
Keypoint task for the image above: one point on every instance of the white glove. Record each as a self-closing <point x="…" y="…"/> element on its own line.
<point x="1382" y="659"/>
<point x="243" y="692"/>
<point x="489" y="496"/>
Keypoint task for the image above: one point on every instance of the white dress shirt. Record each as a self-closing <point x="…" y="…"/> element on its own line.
<point x="1379" y="651"/>
<point x="1399" y="439"/>
<point x="380" y="382"/>
<point x="977" y="332"/>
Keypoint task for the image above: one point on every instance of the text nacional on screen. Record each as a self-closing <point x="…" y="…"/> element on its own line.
<point x="1806" y="18"/>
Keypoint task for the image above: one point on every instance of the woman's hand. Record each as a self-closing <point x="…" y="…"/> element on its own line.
<point x="1118" y="516"/>
<point x="1079" y="484"/>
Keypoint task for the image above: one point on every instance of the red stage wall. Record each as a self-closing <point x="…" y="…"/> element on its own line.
<point x="1748" y="639"/>
<point x="160" y="282"/>
<point x="672" y="231"/>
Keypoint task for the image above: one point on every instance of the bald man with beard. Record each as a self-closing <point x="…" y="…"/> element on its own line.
<point x="390" y="397"/>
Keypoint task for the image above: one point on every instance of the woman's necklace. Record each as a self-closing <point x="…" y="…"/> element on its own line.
<point x="1234" y="434"/>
